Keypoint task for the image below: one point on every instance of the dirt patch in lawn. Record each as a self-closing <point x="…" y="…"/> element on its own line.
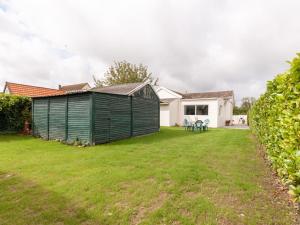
<point x="154" y="205"/>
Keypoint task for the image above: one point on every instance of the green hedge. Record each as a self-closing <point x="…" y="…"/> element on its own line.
<point x="275" y="120"/>
<point x="14" y="110"/>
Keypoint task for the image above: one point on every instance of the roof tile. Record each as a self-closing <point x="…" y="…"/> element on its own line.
<point x="31" y="91"/>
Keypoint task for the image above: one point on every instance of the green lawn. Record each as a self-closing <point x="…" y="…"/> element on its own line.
<point x="171" y="177"/>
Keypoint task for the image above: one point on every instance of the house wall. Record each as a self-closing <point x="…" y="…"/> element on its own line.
<point x="164" y="93"/>
<point x="237" y="119"/>
<point x="174" y="112"/>
<point x="213" y="106"/>
<point x="165" y="115"/>
<point x="221" y="112"/>
<point x="229" y="109"/>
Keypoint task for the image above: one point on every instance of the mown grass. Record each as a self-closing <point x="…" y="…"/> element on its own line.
<point x="171" y="177"/>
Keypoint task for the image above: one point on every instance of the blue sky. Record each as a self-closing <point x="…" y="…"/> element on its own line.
<point x="194" y="46"/>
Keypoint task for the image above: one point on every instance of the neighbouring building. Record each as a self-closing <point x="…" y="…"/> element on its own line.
<point x="29" y="90"/>
<point x="74" y="87"/>
<point x="97" y="115"/>
<point x="175" y="107"/>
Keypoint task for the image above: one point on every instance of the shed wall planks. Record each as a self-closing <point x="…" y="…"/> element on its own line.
<point x="79" y="118"/>
<point x="94" y="118"/>
<point x="112" y="117"/>
<point x="145" y="116"/>
<point x="145" y="111"/>
<point x="40" y="123"/>
<point x="57" y="118"/>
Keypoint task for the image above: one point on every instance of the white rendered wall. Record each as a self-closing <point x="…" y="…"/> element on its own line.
<point x="213" y="106"/>
<point x="163" y="94"/>
<point x="236" y="119"/>
<point x="164" y="115"/>
<point x="221" y="113"/>
<point x="174" y="112"/>
<point x="228" y="109"/>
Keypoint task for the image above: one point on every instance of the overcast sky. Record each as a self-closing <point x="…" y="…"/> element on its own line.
<point x="194" y="46"/>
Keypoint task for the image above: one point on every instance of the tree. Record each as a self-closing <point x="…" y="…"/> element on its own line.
<point x="247" y="103"/>
<point x="124" y="72"/>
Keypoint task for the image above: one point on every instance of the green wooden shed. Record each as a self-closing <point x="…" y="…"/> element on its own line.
<point x="98" y="115"/>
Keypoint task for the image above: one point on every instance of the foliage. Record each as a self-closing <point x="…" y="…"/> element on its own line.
<point x="275" y="119"/>
<point x="124" y="72"/>
<point x="246" y="105"/>
<point x="14" y="110"/>
<point x="170" y="177"/>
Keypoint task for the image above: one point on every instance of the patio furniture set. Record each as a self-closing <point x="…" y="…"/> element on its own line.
<point x="198" y="125"/>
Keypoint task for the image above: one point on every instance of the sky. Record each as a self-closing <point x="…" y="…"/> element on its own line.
<point x="190" y="45"/>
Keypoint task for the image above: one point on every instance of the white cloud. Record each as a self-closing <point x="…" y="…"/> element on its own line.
<point x="190" y="45"/>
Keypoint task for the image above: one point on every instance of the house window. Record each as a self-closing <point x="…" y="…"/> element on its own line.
<point x="189" y="110"/>
<point x="202" y="109"/>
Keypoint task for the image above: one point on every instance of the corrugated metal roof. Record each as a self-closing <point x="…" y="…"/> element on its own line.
<point x="121" y="89"/>
<point x="73" y="87"/>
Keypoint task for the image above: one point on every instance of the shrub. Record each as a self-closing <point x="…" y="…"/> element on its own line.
<point x="14" y="110"/>
<point x="275" y="120"/>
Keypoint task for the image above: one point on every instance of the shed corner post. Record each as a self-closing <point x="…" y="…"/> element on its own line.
<point x="66" y="118"/>
<point x="131" y="116"/>
<point x="48" y="122"/>
<point x="158" y="122"/>
<point x="92" y="118"/>
<point x="32" y="117"/>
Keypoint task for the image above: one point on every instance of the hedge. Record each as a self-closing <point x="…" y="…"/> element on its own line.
<point x="275" y="120"/>
<point x="14" y="110"/>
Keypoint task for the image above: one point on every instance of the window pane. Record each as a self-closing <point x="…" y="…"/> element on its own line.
<point x="189" y="110"/>
<point x="202" y="109"/>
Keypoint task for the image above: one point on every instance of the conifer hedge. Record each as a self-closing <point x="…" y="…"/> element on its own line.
<point x="275" y="120"/>
<point x="14" y="110"/>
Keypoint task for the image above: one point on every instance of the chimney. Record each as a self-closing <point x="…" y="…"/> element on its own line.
<point x="59" y="87"/>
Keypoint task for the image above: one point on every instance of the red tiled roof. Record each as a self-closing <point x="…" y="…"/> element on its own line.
<point x="30" y="91"/>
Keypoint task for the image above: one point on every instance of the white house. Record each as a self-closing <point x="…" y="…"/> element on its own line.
<point x="175" y="107"/>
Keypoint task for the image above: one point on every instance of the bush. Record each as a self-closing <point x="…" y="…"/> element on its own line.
<point x="14" y="110"/>
<point x="275" y="119"/>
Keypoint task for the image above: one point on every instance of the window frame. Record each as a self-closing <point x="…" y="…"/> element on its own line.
<point x="186" y="109"/>
<point x="195" y="110"/>
<point x="206" y="105"/>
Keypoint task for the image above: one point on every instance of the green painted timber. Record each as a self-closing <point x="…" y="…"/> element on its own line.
<point x="112" y="117"/>
<point x="79" y="118"/>
<point x="145" y="116"/>
<point x="95" y="118"/>
<point x="57" y="118"/>
<point x="120" y="123"/>
<point x="145" y="111"/>
<point x="40" y="123"/>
